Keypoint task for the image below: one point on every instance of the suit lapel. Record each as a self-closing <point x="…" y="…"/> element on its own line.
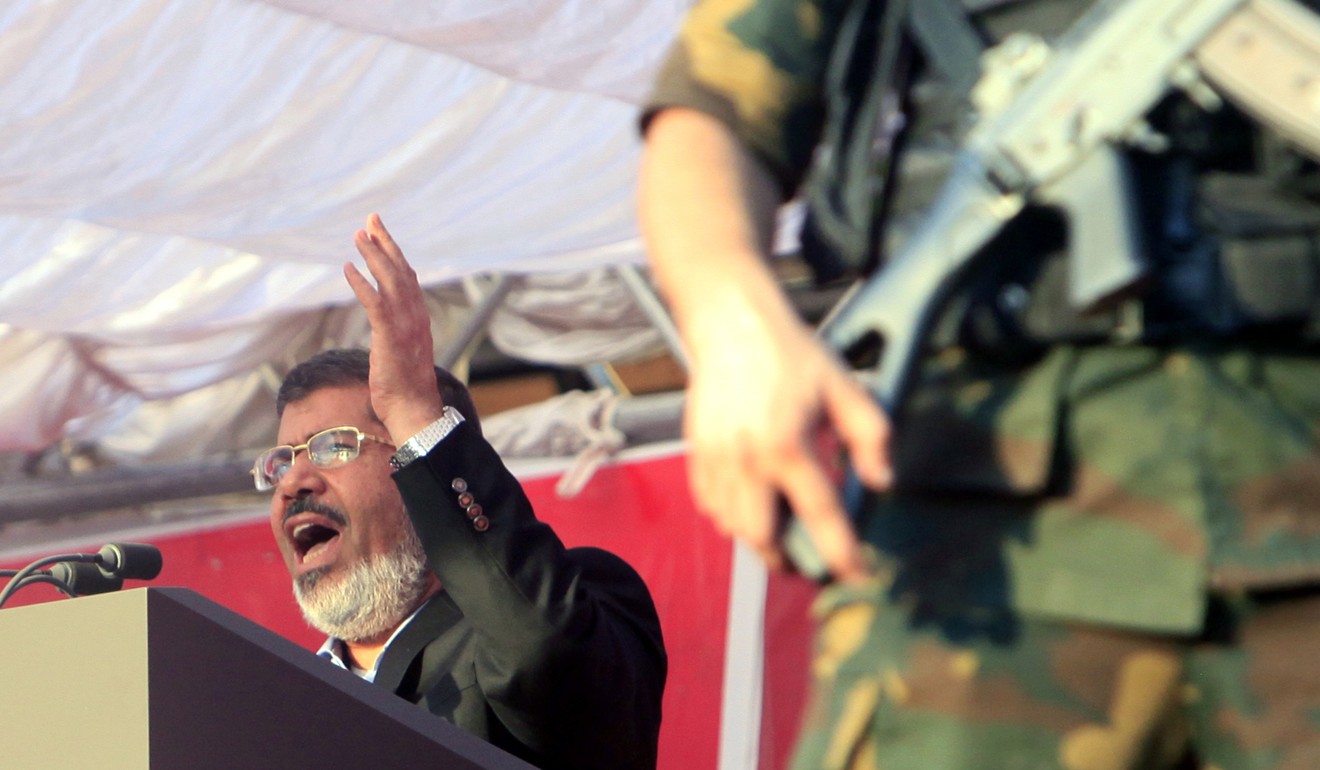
<point x="397" y="672"/>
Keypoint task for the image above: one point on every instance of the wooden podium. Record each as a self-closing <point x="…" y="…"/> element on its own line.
<point x="164" y="678"/>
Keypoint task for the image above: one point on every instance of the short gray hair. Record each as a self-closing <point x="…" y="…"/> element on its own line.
<point x="352" y="366"/>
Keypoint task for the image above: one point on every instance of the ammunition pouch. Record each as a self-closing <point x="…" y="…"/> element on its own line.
<point x="1264" y="267"/>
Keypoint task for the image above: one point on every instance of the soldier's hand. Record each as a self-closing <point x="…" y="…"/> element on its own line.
<point x="403" y="385"/>
<point x="762" y="389"/>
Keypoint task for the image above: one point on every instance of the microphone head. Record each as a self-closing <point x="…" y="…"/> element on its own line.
<point x="85" y="578"/>
<point x="136" y="561"/>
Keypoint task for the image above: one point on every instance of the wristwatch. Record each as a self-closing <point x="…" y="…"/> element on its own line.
<point x="426" y="438"/>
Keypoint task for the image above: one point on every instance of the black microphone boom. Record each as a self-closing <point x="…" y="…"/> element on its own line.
<point x="112" y="564"/>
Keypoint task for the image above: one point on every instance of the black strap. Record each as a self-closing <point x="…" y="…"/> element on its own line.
<point x="949" y="41"/>
<point x="976" y="6"/>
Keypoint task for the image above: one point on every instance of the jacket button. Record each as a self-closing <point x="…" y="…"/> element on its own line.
<point x="473" y="511"/>
<point x="458" y="485"/>
<point x="481" y="523"/>
<point x="466" y="499"/>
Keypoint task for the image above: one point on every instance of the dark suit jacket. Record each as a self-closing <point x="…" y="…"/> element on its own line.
<point x="552" y="654"/>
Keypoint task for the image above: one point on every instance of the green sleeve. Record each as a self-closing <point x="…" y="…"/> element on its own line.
<point x="757" y="67"/>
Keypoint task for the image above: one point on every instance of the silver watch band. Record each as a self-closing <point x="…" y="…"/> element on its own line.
<point x="427" y="438"/>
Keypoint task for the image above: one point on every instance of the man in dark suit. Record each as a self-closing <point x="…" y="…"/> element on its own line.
<point x="416" y="551"/>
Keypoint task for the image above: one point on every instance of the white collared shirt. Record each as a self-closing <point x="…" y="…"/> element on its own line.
<point x="333" y="649"/>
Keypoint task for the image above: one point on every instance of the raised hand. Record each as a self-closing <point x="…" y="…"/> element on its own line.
<point x="403" y="385"/>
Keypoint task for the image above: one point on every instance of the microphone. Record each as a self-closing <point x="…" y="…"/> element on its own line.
<point x="135" y="561"/>
<point x="83" y="578"/>
<point x="97" y="572"/>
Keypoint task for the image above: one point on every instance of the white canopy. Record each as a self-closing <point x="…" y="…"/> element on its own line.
<point x="180" y="181"/>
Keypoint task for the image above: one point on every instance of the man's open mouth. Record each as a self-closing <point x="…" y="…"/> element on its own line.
<point x="314" y="538"/>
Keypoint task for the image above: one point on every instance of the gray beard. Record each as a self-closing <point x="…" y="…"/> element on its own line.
<point x="373" y="598"/>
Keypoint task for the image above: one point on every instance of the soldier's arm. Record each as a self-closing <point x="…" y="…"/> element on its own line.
<point x="762" y="389"/>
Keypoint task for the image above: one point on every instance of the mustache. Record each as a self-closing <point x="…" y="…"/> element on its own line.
<point x="308" y="505"/>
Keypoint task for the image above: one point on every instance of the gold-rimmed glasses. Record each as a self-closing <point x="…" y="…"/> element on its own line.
<point x="330" y="448"/>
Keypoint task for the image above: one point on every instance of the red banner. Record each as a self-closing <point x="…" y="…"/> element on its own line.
<point x="640" y="509"/>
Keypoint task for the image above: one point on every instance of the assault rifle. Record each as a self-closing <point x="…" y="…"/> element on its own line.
<point x="1052" y="120"/>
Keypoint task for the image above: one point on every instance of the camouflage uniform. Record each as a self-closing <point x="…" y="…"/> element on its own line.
<point x="1096" y="555"/>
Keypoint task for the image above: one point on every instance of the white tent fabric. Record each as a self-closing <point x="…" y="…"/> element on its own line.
<point x="180" y="180"/>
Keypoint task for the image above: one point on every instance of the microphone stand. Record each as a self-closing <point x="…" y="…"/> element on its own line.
<point x="32" y="573"/>
<point x="42" y="576"/>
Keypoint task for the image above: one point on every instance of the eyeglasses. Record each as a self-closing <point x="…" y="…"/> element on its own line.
<point x="328" y="449"/>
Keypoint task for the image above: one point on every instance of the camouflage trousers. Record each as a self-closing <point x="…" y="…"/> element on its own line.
<point x="951" y="688"/>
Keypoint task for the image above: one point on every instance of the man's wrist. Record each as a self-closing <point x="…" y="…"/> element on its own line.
<point x="426" y="438"/>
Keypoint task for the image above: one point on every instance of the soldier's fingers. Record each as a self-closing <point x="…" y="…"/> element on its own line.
<point x="816" y="505"/>
<point x="727" y="491"/>
<point x="712" y="490"/>
<point x="754" y="512"/>
<point x="864" y="429"/>
<point x="748" y="512"/>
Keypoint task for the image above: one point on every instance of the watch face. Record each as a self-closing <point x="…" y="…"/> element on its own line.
<point x="427" y="438"/>
<point x="407" y="453"/>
